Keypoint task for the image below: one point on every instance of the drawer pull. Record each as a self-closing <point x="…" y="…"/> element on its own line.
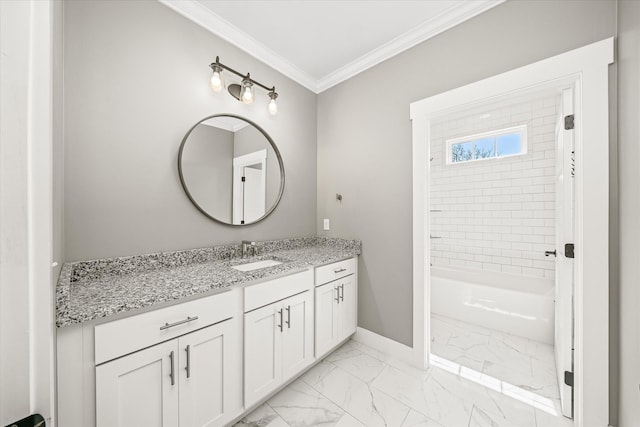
<point x="180" y="322"/>
<point x="339" y="270"/>
<point x="172" y="372"/>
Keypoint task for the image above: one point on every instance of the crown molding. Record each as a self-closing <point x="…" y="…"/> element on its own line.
<point x="444" y="21"/>
<point x="206" y="18"/>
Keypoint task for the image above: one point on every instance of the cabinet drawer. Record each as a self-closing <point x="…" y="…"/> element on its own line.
<point x="328" y="273"/>
<point x="274" y="290"/>
<point x="120" y="337"/>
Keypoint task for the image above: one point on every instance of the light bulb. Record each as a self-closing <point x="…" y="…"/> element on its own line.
<point x="216" y="82"/>
<point x="273" y="107"/>
<point x="247" y="93"/>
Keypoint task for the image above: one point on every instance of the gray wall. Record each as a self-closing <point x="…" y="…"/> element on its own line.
<point x="364" y="135"/>
<point x="628" y="60"/>
<point x="136" y="79"/>
<point x="207" y="169"/>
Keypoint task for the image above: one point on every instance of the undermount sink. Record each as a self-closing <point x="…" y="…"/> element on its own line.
<point x="256" y="265"/>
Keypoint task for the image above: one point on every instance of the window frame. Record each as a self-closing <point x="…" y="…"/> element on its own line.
<point x="520" y="129"/>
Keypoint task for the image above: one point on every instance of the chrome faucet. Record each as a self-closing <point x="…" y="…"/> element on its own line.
<point x="248" y="246"/>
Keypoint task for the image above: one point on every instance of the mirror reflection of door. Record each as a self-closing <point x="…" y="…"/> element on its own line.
<point x="214" y="156"/>
<point x="249" y="187"/>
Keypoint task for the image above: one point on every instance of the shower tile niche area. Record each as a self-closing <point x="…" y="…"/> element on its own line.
<point x="492" y="196"/>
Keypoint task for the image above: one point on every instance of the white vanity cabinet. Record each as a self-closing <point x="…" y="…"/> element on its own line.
<point x="335" y="304"/>
<point x="134" y="390"/>
<point x="179" y="382"/>
<point x="278" y="333"/>
<point x="206" y="361"/>
<point x="191" y="380"/>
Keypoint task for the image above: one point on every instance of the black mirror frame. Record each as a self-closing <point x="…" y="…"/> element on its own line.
<point x="275" y="149"/>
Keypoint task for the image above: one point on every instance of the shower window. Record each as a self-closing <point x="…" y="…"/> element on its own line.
<point x="488" y="145"/>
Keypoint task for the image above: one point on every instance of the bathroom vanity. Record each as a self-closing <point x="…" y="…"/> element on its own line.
<point x="198" y="337"/>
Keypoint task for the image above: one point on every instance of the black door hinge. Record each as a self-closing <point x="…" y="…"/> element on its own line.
<point x="568" y="378"/>
<point x="569" y="250"/>
<point x="242" y="222"/>
<point x="569" y="122"/>
<point x="243" y="179"/>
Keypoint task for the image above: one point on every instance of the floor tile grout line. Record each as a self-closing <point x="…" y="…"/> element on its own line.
<point x="473" y="406"/>
<point x="368" y="355"/>
<point x="369" y="385"/>
<point x="278" y="413"/>
<point x="411" y="408"/>
<point x="405" y="417"/>
<point x="339" y="406"/>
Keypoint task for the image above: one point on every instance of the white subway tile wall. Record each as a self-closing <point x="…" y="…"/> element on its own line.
<point x="496" y="214"/>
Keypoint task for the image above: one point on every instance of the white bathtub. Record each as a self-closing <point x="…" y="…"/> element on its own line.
<point x="522" y="306"/>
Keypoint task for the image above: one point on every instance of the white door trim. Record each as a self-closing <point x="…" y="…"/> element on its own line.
<point x="589" y="66"/>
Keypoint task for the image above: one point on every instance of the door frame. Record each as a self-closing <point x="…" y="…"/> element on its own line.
<point x="588" y="65"/>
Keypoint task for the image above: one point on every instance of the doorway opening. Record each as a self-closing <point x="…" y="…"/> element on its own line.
<point x="249" y="187"/>
<point x="585" y="72"/>
<point x="501" y="209"/>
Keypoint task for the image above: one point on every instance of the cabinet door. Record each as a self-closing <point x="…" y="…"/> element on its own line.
<point x="262" y="351"/>
<point x="209" y="375"/>
<point x="297" y="337"/>
<point x="347" y="321"/>
<point x="140" y="389"/>
<point x="326" y="325"/>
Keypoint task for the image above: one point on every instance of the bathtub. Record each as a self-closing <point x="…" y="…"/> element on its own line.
<point x="522" y="306"/>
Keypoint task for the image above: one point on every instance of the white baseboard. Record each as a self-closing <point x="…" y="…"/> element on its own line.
<point x="384" y="345"/>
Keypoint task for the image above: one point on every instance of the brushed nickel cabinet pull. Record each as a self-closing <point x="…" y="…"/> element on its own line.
<point x="188" y="367"/>
<point x="337" y="289"/>
<point x="172" y="374"/>
<point x="289" y="316"/>
<point x="280" y="325"/>
<point x="342" y="293"/>
<point x="339" y="270"/>
<point x="179" y="322"/>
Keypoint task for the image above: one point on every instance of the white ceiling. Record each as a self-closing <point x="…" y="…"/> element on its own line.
<point x="320" y="43"/>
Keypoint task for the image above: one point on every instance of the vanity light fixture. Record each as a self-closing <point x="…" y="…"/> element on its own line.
<point x="245" y="91"/>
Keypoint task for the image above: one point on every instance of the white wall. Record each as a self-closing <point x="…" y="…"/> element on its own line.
<point x="26" y="302"/>
<point x="136" y="78"/>
<point x="496" y="214"/>
<point x="628" y="59"/>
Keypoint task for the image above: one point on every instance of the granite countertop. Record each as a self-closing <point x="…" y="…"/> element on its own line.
<point x="89" y="290"/>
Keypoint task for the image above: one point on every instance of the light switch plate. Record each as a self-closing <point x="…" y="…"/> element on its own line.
<point x="326" y="224"/>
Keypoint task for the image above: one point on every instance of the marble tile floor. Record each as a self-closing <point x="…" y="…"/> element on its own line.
<point x="478" y="378"/>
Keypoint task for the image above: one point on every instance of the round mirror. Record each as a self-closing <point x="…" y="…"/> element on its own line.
<point x="231" y="169"/>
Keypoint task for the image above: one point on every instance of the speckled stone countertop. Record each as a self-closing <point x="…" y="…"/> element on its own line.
<point x="89" y="290"/>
